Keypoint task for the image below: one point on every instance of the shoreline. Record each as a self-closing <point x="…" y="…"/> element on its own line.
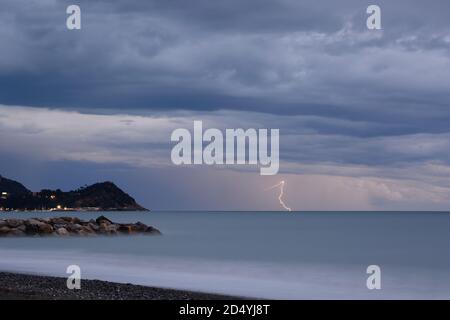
<point x="17" y="286"/>
<point x="73" y="210"/>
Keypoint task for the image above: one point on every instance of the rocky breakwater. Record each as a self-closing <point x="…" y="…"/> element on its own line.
<point x="71" y="226"/>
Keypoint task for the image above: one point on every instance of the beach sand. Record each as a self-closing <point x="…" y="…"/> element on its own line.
<point x="15" y="286"/>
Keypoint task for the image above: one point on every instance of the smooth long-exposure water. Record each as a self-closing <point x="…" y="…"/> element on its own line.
<point x="257" y="254"/>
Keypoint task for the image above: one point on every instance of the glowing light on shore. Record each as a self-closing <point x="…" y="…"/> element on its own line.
<point x="280" y="197"/>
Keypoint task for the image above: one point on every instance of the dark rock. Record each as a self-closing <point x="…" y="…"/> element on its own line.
<point x="58" y="221"/>
<point x="32" y="226"/>
<point x="140" y="227"/>
<point x="113" y="228"/>
<point x="73" y="227"/>
<point x="13" y="223"/>
<point x="45" y="228"/>
<point x="59" y="225"/>
<point x="66" y="226"/>
<point x="103" y="219"/>
<point x="153" y="231"/>
<point x="82" y="232"/>
<point x="16" y="233"/>
<point x="125" y="228"/>
<point x="76" y="220"/>
<point x="62" y="232"/>
<point x="4" y="230"/>
<point x="94" y="226"/>
<point x="88" y="230"/>
<point x="31" y="229"/>
<point x="103" y="228"/>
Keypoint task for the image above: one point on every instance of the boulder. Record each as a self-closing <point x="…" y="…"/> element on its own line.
<point x="76" y="220"/>
<point x="103" y="228"/>
<point x="13" y="223"/>
<point x="59" y="221"/>
<point x="59" y="225"/>
<point x="16" y="233"/>
<point x="152" y="231"/>
<point x="4" y="230"/>
<point x="33" y="222"/>
<point x="65" y="226"/>
<point x="45" y="228"/>
<point x="88" y="229"/>
<point x="93" y="226"/>
<point x="103" y="219"/>
<point x="73" y="227"/>
<point x="140" y="227"/>
<point x="62" y="232"/>
<point x="32" y="226"/>
<point x="82" y="233"/>
<point x="125" y="228"/>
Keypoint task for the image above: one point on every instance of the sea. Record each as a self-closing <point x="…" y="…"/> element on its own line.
<point x="273" y="255"/>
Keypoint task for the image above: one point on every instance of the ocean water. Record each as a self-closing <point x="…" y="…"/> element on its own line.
<point x="300" y="255"/>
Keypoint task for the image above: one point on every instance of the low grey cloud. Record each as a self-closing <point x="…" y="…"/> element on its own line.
<point x="298" y="57"/>
<point x="393" y="172"/>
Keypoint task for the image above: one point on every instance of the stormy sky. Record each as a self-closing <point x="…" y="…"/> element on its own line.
<point x="363" y="114"/>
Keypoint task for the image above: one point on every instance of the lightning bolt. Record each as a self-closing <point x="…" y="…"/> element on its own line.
<point x="280" y="197"/>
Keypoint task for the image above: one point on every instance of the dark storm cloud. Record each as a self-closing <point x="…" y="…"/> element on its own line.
<point x="283" y="57"/>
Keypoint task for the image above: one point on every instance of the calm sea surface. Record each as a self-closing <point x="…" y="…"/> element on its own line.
<point x="257" y="254"/>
